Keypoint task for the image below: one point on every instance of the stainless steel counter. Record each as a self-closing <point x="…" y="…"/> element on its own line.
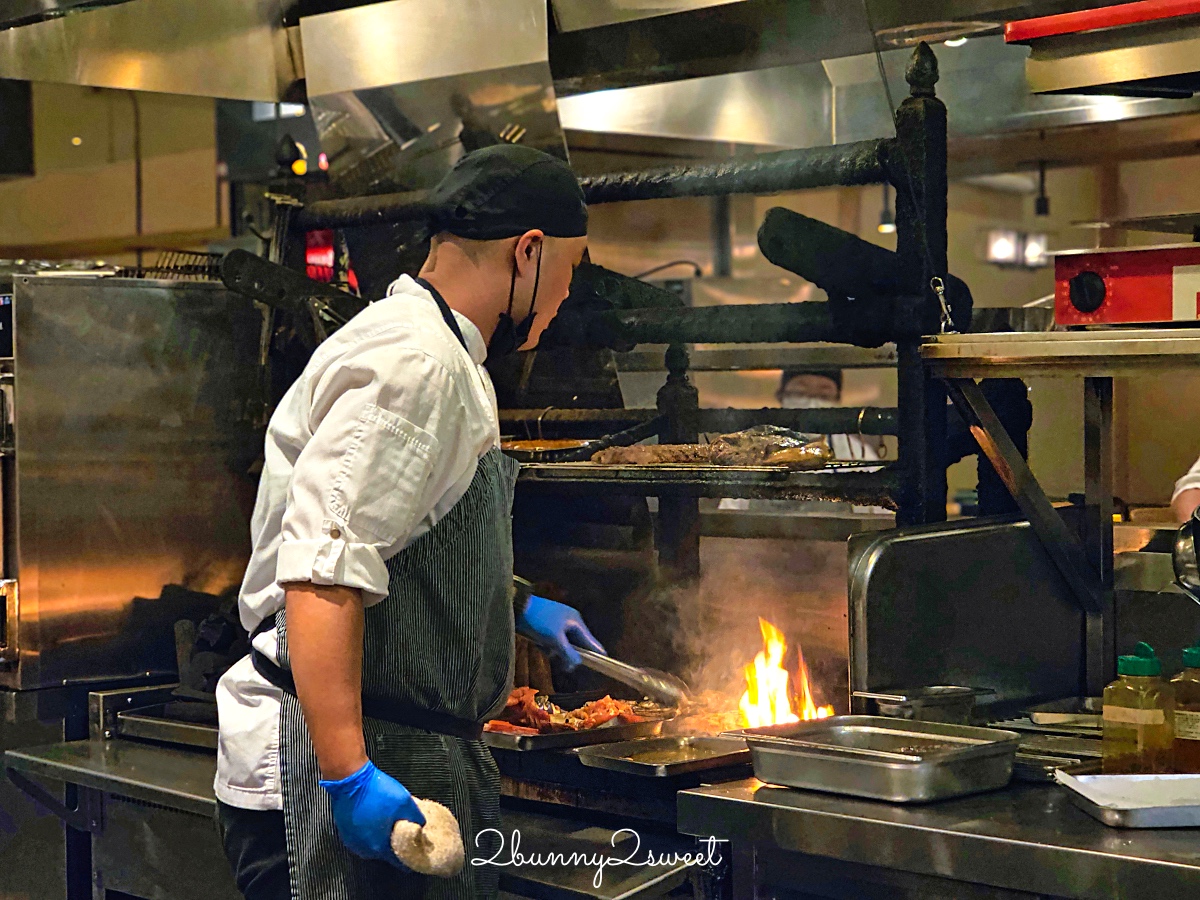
<point x="141" y="851"/>
<point x="172" y="777"/>
<point x="1028" y="838"/>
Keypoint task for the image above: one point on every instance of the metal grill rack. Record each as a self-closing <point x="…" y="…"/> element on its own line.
<point x="897" y="314"/>
<point x="179" y="265"/>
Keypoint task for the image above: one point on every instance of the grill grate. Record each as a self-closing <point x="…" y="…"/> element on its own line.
<point x="179" y="265"/>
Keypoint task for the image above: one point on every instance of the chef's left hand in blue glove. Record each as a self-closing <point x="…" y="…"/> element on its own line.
<point x="553" y="626"/>
<point x="366" y="806"/>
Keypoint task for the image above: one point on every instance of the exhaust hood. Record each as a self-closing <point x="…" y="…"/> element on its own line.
<point x="1144" y="49"/>
<point x="21" y="12"/>
<point x="232" y="49"/>
<point x="983" y="84"/>
<point x="399" y="90"/>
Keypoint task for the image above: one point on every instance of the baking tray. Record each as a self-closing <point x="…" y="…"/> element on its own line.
<point x="652" y="756"/>
<point x="1037" y="769"/>
<point x="1136" y="801"/>
<point x="883" y="759"/>
<point x="1078" y="711"/>
<point x="561" y="740"/>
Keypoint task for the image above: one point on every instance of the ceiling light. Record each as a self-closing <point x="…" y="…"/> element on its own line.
<point x="76" y="141"/>
<point x="887" y="219"/>
<point x="1003" y="247"/>
<point x="1036" y="246"/>
<point x="956" y="42"/>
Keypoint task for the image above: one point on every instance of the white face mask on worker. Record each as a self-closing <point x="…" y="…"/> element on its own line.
<point x="794" y="402"/>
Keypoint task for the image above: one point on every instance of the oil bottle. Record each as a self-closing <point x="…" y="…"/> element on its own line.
<point x="1187" y="713"/>
<point x="1139" y="709"/>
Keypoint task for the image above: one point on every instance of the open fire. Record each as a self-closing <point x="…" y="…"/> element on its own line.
<point x="770" y="697"/>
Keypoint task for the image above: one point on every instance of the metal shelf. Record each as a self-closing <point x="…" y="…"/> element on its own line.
<point x="762" y="358"/>
<point x="866" y="484"/>
<point x="1117" y="351"/>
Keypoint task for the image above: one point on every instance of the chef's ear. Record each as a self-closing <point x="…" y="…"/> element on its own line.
<point x="527" y="249"/>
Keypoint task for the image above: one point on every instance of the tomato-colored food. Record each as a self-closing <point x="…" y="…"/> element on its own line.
<point x="523" y="710"/>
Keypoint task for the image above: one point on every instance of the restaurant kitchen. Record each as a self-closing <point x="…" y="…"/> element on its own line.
<point x="849" y="674"/>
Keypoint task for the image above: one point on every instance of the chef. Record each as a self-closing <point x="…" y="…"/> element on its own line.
<point x="380" y="593"/>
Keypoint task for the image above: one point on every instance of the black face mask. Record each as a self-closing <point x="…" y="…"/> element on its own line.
<point x="510" y="335"/>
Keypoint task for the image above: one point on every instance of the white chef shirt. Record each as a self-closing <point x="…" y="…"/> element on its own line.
<point x="375" y="442"/>
<point x="1188" y="482"/>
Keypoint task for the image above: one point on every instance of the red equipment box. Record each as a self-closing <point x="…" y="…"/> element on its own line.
<point x="1137" y="285"/>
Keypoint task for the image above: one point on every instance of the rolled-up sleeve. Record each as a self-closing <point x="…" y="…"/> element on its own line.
<point x="368" y="474"/>
<point x="1189" y="481"/>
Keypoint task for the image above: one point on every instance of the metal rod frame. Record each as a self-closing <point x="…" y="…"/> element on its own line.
<point x="1100" y="636"/>
<point x="1063" y="547"/>
<point x="87" y="815"/>
<point x="914" y="162"/>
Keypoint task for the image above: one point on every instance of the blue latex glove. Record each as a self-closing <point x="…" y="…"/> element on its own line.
<point x="365" y="807"/>
<point x="552" y="626"/>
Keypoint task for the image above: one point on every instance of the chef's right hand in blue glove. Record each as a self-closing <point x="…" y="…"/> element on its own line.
<point x="365" y="807"/>
<point x="554" y="626"/>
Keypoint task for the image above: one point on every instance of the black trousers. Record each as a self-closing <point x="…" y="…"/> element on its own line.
<point x="256" y="846"/>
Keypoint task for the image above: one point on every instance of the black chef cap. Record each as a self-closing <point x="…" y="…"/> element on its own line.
<point x="506" y="190"/>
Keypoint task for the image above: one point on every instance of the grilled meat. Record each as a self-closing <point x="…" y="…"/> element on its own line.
<point x="653" y="454"/>
<point x="763" y="445"/>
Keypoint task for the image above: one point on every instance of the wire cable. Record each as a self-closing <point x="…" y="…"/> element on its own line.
<point x="699" y="273"/>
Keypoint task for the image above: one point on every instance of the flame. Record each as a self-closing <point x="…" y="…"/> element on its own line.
<point x="768" y="699"/>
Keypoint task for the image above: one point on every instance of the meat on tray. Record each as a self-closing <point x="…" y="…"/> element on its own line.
<point x="763" y="445"/>
<point x="651" y="454"/>
<point x="524" y="715"/>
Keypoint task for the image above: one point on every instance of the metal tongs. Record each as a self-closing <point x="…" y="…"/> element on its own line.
<point x="660" y="686"/>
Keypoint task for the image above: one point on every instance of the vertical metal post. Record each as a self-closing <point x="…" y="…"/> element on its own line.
<point x="921" y="413"/>
<point x="722" y="236"/>
<point x="918" y="172"/>
<point x="679" y="516"/>
<point x="1101" y="649"/>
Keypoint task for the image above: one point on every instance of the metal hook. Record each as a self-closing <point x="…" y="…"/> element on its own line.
<point x="939" y="288"/>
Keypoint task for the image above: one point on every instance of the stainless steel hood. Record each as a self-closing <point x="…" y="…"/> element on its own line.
<point x="576" y="15"/>
<point x="20" y="12"/>
<point x="399" y="90"/>
<point x="233" y="49"/>
<point x="842" y="99"/>
<point x="1136" y="50"/>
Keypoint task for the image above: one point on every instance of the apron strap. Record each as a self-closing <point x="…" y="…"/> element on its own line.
<point x="446" y="311"/>
<point x="373" y="707"/>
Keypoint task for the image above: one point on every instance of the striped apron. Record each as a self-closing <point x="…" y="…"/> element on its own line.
<point x="442" y="640"/>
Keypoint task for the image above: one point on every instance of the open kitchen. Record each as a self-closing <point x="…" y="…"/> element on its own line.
<point x="567" y="449"/>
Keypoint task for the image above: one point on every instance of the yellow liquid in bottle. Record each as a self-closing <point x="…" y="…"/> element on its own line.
<point x="1139" y="732"/>
<point x="1187" y="721"/>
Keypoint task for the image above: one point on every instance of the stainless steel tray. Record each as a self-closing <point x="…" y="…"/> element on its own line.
<point x="883" y="759"/>
<point x="1151" y="801"/>
<point x="604" y="734"/>
<point x="652" y="756"/>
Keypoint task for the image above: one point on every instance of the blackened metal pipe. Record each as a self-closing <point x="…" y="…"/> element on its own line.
<point x="571" y="423"/>
<point x="838" y="420"/>
<point x="355" y="211"/>
<point x="741" y="324"/>
<point x="769" y="173"/>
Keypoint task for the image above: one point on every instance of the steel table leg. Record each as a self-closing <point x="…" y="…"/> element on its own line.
<point x="1098" y="529"/>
